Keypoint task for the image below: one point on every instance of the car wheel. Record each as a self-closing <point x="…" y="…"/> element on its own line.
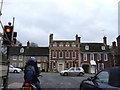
<point x="65" y="74"/>
<point x="15" y="71"/>
<point x="81" y="74"/>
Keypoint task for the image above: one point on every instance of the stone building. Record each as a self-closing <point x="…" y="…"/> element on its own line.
<point x="19" y="54"/>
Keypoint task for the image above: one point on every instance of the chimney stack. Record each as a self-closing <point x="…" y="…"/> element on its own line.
<point x="51" y="38"/>
<point x="28" y="44"/>
<point x="77" y="39"/>
<point x="114" y="45"/>
<point x="105" y="40"/>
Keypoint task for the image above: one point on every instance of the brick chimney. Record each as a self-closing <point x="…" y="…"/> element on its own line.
<point x="28" y="44"/>
<point x="105" y="40"/>
<point x="77" y="39"/>
<point x="51" y="38"/>
<point x="114" y="45"/>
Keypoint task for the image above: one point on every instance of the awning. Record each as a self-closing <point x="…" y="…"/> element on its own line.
<point x="92" y="62"/>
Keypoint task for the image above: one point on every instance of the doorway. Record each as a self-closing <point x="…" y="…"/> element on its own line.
<point x="86" y="68"/>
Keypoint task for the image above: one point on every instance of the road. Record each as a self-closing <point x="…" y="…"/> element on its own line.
<point x="49" y="81"/>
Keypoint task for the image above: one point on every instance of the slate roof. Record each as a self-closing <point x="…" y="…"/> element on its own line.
<point x="31" y="51"/>
<point x="94" y="47"/>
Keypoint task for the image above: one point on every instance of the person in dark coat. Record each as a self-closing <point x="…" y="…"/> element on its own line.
<point x="32" y="62"/>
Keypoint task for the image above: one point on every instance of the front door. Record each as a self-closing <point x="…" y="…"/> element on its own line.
<point x="60" y="67"/>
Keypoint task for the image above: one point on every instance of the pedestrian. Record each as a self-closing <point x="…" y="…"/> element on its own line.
<point x="31" y="73"/>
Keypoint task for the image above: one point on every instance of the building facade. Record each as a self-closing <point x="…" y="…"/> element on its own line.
<point x="115" y="52"/>
<point x="18" y="56"/>
<point x="95" y="56"/>
<point x="63" y="54"/>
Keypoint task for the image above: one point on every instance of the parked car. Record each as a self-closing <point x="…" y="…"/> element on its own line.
<point x="73" y="71"/>
<point x="13" y="69"/>
<point x="107" y="79"/>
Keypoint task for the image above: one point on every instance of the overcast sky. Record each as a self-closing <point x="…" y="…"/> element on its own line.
<point x="36" y="19"/>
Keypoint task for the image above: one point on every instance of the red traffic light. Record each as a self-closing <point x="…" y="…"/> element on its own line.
<point x="7" y="30"/>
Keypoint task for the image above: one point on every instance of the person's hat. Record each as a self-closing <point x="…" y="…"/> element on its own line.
<point x="32" y="59"/>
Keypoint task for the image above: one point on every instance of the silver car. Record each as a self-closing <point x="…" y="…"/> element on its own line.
<point x="73" y="71"/>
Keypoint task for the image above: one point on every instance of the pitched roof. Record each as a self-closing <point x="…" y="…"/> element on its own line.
<point x="94" y="47"/>
<point x="29" y="51"/>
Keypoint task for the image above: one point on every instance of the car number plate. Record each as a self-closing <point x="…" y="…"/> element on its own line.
<point x="26" y="88"/>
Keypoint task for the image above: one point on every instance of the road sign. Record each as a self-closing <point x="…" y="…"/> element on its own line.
<point x="4" y="50"/>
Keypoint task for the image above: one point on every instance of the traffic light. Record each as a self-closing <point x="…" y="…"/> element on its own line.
<point x="7" y="34"/>
<point x="14" y="37"/>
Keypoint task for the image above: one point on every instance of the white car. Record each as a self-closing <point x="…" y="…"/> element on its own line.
<point x="73" y="71"/>
<point x="13" y="69"/>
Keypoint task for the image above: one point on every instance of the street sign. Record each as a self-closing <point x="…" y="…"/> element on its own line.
<point x="4" y="51"/>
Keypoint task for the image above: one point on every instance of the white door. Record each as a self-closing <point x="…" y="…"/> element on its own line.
<point x="93" y="69"/>
<point x="60" y="67"/>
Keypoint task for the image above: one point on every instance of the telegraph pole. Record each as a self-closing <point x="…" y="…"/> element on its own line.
<point x="1" y="8"/>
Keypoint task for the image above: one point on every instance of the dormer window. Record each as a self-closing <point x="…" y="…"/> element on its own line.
<point x="103" y="47"/>
<point x="86" y="47"/>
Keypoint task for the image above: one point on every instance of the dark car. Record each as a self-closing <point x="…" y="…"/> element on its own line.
<point x="107" y="79"/>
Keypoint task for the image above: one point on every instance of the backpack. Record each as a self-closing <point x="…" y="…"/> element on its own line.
<point x="29" y="74"/>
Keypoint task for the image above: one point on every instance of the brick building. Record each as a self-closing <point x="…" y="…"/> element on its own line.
<point x="115" y="52"/>
<point x="63" y="54"/>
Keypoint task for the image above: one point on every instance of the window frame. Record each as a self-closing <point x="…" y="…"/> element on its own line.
<point x="92" y="56"/>
<point x="99" y="57"/>
<point x="20" y="64"/>
<point x="14" y="64"/>
<point x="14" y="58"/>
<point x="67" y="54"/>
<point x="73" y="54"/>
<point x="103" y="47"/>
<point x="54" y="54"/>
<point x="61" y="54"/>
<point x="85" y="57"/>
<point x="86" y="47"/>
<point x="20" y="57"/>
<point x="105" y="57"/>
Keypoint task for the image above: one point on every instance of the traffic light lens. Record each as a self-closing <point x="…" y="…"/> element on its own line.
<point x="8" y="30"/>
